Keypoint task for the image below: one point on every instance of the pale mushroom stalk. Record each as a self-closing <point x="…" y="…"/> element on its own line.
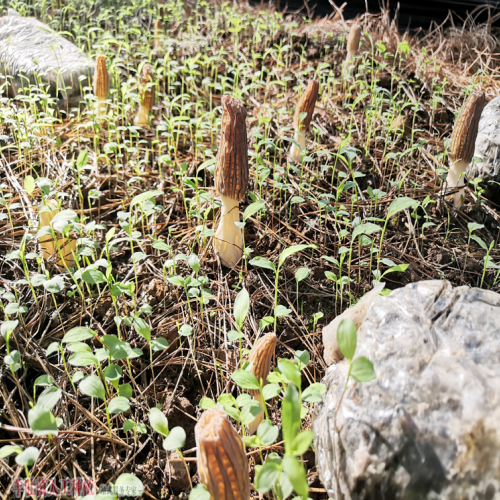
<point x="146" y="97"/>
<point x="260" y="358"/>
<point x="220" y="454"/>
<point x="463" y="141"/>
<point x="231" y="179"/>
<point x="352" y="47"/>
<point x="302" y="118"/>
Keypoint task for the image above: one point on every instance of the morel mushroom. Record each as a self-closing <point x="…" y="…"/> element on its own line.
<point x="231" y="179"/>
<point x="352" y="46"/>
<point x="146" y="97"/>
<point x="463" y="140"/>
<point x="488" y="151"/>
<point x="302" y="118"/>
<point x="101" y="82"/>
<point x="157" y="34"/>
<point x="48" y="245"/>
<point x="260" y="357"/>
<point x="222" y="462"/>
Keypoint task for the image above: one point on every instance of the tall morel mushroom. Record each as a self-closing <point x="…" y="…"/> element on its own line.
<point x="221" y="458"/>
<point x="302" y="118"/>
<point x="101" y="81"/>
<point x="146" y="97"/>
<point x="352" y="45"/>
<point x="260" y="357"/>
<point x="463" y="140"/>
<point x="231" y="179"/>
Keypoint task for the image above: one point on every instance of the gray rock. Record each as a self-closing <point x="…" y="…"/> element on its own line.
<point x="429" y="426"/>
<point x="487" y="145"/>
<point x="29" y="48"/>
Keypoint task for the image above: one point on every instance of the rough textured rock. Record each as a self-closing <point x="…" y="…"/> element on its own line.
<point x="487" y="147"/>
<point x="29" y="48"/>
<point x="428" y="426"/>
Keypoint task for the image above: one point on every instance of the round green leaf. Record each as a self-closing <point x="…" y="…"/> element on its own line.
<point x="199" y="492"/>
<point x="245" y="380"/>
<point x="128" y="485"/>
<point x="118" y="404"/>
<point x="176" y="439"/>
<point x="92" y="386"/>
<point x="78" y="334"/>
<point x="28" y="456"/>
<point x="158" y="421"/>
<point x="362" y="370"/>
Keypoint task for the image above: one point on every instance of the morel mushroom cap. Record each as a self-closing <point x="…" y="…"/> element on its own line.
<point x="146" y="96"/>
<point x="306" y="105"/>
<point x="488" y="150"/>
<point x="463" y="138"/>
<point x="354" y="38"/>
<point x="222" y="462"/>
<point x="463" y="141"/>
<point x="231" y="168"/>
<point x="260" y="357"/>
<point x="101" y="82"/>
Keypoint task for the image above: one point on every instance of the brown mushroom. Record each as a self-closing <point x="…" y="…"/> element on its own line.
<point x="260" y="357"/>
<point x="302" y="118"/>
<point x="231" y="179"/>
<point x="49" y="247"/>
<point x="352" y="46"/>
<point x="101" y="81"/>
<point x="146" y="97"/>
<point x="157" y="34"/>
<point x="463" y="140"/>
<point x="221" y="458"/>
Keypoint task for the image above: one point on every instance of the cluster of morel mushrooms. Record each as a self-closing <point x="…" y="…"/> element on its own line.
<point x="222" y="462"/>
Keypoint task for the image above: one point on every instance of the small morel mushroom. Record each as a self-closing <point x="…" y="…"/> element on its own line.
<point x="352" y="46"/>
<point x="101" y="82"/>
<point x="157" y="34"/>
<point x="48" y="246"/>
<point x="463" y="140"/>
<point x="260" y="357"/>
<point x="222" y="462"/>
<point x="231" y="179"/>
<point x="146" y="97"/>
<point x="302" y="118"/>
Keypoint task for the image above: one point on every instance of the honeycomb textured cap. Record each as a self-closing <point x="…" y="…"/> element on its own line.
<point x="261" y="356"/>
<point x="101" y="83"/>
<point x="147" y="94"/>
<point x="231" y="167"/>
<point x="463" y="138"/>
<point x="354" y="38"/>
<point x="222" y="462"/>
<point x="306" y="105"/>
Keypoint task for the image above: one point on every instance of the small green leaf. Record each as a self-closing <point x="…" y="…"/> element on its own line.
<point x="233" y="335"/>
<point x="302" y="273"/>
<point x="49" y="398"/>
<point x="175" y="439"/>
<point x="297" y="475"/>
<point x="159" y="344"/>
<point x="199" y="492"/>
<point x="400" y="204"/>
<point x="125" y="391"/>
<point x="261" y="262"/>
<point x="253" y="209"/>
<point x="267" y="476"/>
<point x="290" y="371"/>
<point x="28" y="456"/>
<point x="302" y="359"/>
<point x="313" y="393"/>
<point x="302" y="442"/>
<point x="267" y="432"/>
<point x="347" y="338"/>
<point x="29" y="184"/>
<point x="291" y="250"/>
<point x="93" y="277"/>
<point x="92" y="386"/>
<point x="78" y="334"/>
<point x="270" y="391"/>
<point x="42" y="422"/>
<point x="83" y="359"/>
<point x="9" y="449"/>
<point x="241" y="306"/>
<point x="245" y="380"/>
<point x="206" y="403"/>
<point x="158" y="421"/>
<point x="142" y="328"/>
<point x="282" y="311"/>
<point x="128" y="485"/>
<point x="290" y="416"/>
<point x="362" y="370"/>
<point x="118" y="404"/>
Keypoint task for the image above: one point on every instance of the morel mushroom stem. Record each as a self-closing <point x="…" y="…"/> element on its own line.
<point x="300" y="137"/>
<point x="456" y="179"/>
<point x="228" y="238"/>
